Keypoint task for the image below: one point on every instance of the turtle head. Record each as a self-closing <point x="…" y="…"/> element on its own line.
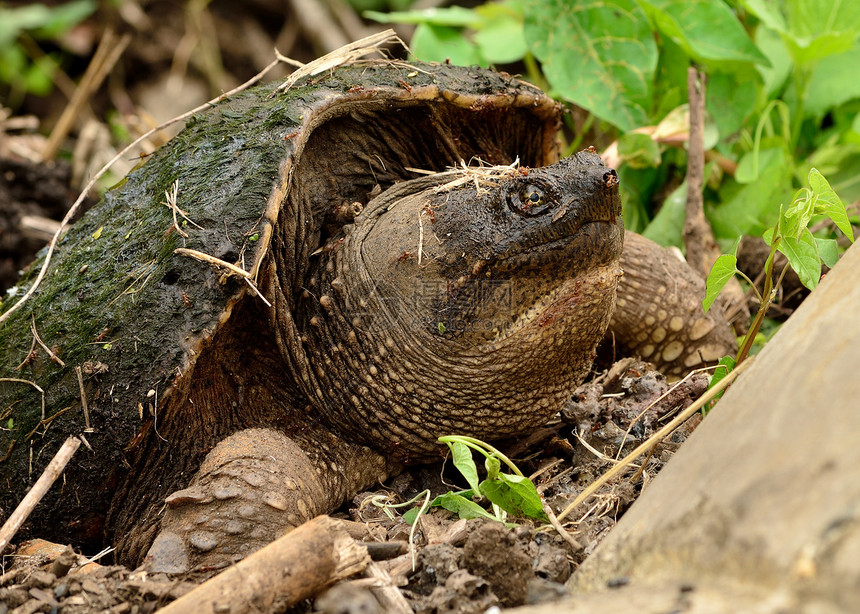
<point x="472" y="302"/>
<point x="480" y="258"/>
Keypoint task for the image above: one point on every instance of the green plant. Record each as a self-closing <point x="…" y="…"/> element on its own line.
<point x="23" y="68"/>
<point x="791" y="236"/>
<point x="507" y="493"/>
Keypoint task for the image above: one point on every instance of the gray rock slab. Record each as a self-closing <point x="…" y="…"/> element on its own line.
<point x="759" y="511"/>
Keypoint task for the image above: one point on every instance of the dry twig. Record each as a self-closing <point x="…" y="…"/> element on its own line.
<point x="38" y="339"/>
<point x="388" y="595"/>
<point x="232" y="269"/>
<point x="306" y="560"/>
<point x="32" y="498"/>
<point x="655" y="438"/>
<point x="108" y="52"/>
<point x="88" y="428"/>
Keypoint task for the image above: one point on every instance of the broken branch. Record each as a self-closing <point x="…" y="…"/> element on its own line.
<point x="32" y="498"/>
<point x="294" y="567"/>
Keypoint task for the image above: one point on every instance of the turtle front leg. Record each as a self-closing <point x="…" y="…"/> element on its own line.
<point x="252" y="488"/>
<point x="659" y="315"/>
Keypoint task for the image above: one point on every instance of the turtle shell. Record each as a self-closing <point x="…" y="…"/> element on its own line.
<point x="130" y="317"/>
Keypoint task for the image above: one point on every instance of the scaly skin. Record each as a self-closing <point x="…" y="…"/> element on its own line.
<point x="523" y="292"/>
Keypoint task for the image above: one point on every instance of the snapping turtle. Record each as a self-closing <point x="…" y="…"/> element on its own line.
<point x="276" y="310"/>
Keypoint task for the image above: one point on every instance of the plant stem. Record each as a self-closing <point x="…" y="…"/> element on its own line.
<point x="484" y="448"/>
<point x="767" y="295"/>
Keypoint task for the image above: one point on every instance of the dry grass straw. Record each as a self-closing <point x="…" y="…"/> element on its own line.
<point x="38" y="339"/>
<point x="107" y="54"/>
<point x="34" y="495"/>
<point x="477" y="172"/>
<point x="345" y="55"/>
<point x="655" y="438"/>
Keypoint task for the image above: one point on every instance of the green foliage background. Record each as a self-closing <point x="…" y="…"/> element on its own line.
<point x="782" y="96"/>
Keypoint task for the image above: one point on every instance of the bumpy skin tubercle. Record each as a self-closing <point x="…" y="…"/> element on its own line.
<point x="253" y="487"/>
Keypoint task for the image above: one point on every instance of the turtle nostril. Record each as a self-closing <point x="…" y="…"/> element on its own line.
<point x="610" y="178"/>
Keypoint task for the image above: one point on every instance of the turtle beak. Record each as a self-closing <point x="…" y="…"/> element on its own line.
<point x="605" y="204"/>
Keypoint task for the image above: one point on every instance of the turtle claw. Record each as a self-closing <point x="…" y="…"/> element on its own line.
<point x="251" y="488"/>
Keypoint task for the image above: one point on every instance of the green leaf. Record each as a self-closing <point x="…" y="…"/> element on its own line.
<point x="11" y="424"/>
<point x="493" y="466"/>
<point x="40" y="76"/>
<point x="637" y="190"/>
<point x="667" y="227"/>
<point x="759" y="162"/>
<point x="499" y="35"/>
<point x="598" y="55"/>
<point x="15" y="20"/>
<point x="460" y="505"/>
<point x="795" y="218"/>
<point x="707" y="30"/>
<point x="802" y="254"/>
<point x="638" y="150"/>
<point x="725" y="366"/>
<point x="434" y="43"/>
<point x="410" y="516"/>
<point x="771" y="44"/>
<point x="723" y="270"/>
<point x="768" y="12"/>
<point x="828" y="203"/>
<point x="828" y="88"/>
<point x="750" y="209"/>
<point x="811" y="29"/>
<point x="819" y="28"/>
<point x="671" y="79"/>
<point x="454" y="16"/>
<point x="64" y="17"/>
<point x="731" y="99"/>
<point x="514" y="494"/>
<point x="828" y="251"/>
<point x="461" y="456"/>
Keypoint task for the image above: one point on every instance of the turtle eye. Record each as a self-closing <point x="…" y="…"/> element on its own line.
<point x="529" y="200"/>
<point x="532" y="196"/>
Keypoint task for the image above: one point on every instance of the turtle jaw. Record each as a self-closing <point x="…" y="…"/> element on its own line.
<point x="571" y="272"/>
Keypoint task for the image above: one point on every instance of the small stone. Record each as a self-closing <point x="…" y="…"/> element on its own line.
<point x="235" y="527"/>
<point x="40" y="579"/>
<point x="44" y="596"/>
